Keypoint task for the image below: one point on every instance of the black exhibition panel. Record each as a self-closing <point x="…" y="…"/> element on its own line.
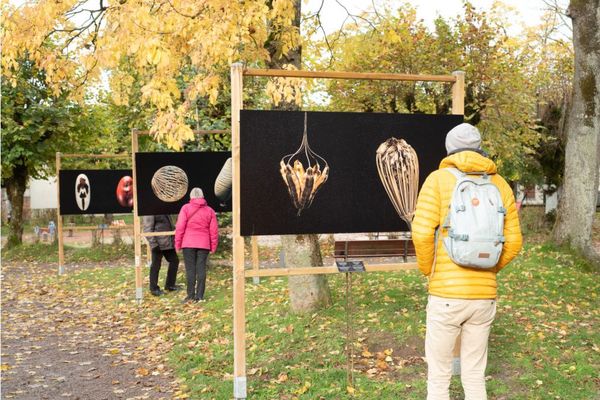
<point x="88" y="191"/>
<point x="353" y="198"/>
<point x="200" y="168"/>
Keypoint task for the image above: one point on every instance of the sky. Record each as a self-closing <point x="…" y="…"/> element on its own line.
<point x="527" y="12"/>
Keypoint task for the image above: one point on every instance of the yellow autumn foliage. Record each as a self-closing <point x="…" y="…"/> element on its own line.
<point x="75" y="41"/>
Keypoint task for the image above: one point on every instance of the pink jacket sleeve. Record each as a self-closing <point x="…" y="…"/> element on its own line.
<point x="180" y="228"/>
<point x="214" y="232"/>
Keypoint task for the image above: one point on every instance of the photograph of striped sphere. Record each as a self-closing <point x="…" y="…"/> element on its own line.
<point x="169" y="183"/>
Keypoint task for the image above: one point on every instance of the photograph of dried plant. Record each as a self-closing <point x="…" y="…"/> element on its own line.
<point x="169" y="183"/>
<point x="303" y="183"/>
<point x="83" y="191"/>
<point x="224" y="182"/>
<point x="398" y="167"/>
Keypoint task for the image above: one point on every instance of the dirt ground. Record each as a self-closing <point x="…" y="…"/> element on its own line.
<point x="54" y="347"/>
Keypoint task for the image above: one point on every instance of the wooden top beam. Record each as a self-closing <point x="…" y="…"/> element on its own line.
<point x="81" y="155"/>
<point x="348" y="75"/>
<point x="195" y="131"/>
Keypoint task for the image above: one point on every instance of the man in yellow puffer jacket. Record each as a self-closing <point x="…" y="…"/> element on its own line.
<point x="462" y="301"/>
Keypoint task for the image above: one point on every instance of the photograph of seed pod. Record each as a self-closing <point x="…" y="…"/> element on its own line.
<point x="303" y="173"/>
<point x="398" y="168"/>
<point x="224" y="182"/>
<point x="124" y="191"/>
<point x="169" y="183"/>
<point x="164" y="180"/>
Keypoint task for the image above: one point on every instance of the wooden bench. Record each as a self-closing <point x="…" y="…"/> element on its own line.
<point x="374" y="248"/>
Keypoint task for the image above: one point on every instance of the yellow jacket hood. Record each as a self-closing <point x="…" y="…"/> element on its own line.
<point x="469" y="161"/>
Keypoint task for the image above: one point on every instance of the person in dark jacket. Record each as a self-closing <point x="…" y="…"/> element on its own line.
<point x="162" y="246"/>
<point x="197" y="233"/>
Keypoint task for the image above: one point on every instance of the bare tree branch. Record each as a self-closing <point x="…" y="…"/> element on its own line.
<point x="356" y="17"/>
<point x="555" y="7"/>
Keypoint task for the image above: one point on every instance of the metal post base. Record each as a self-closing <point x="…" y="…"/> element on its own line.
<point x="256" y="280"/>
<point x="138" y="295"/>
<point x="239" y="387"/>
<point x="456" y="366"/>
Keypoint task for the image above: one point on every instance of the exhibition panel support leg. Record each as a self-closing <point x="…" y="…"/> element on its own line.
<point x="61" y="245"/>
<point x="255" y="262"/>
<point x="239" y="281"/>
<point x="349" y="333"/>
<point x="59" y="220"/>
<point x="137" y="239"/>
<point x="458" y="108"/>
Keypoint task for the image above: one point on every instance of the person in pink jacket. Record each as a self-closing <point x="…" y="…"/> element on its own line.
<point x="197" y="233"/>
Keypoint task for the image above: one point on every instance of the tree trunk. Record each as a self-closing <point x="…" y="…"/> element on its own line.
<point x="116" y="233"/>
<point x="577" y="205"/>
<point x="15" y="189"/>
<point x="307" y="292"/>
<point x="95" y="232"/>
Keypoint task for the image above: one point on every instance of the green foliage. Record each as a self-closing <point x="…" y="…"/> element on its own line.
<point x="501" y="77"/>
<point x="36" y="123"/>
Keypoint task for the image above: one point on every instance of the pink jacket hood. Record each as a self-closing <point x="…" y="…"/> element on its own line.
<point x="197" y="227"/>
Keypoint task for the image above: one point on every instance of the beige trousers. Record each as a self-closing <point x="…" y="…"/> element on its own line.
<point x="446" y="319"/>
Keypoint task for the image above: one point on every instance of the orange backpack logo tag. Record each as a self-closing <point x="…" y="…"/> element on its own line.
<point x="475" y="201"/>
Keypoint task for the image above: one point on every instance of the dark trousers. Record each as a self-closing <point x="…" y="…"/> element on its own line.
<point x="157" y="255"/>
<point x="195" y="272"/>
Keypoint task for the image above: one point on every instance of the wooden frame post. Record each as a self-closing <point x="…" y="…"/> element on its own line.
<point x="137" y="240"/>
<point x="255" y="262"/>
<point x="59" y="220"/>
<point x="458" y="108"/>
<point x="239" y="273"/>
<point x="458" y="93"/>
<point x="239" y="282"/>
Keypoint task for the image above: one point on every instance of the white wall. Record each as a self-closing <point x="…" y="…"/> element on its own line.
<point x="42" y="193"/>
<point x="538" y="200"/>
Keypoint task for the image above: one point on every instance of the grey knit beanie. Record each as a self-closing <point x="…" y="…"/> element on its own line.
<point x="196" y="193"/>
<point x="463" y="136"/>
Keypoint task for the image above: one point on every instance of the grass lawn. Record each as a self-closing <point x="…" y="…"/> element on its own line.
<point x="545" y="343"/>
<point x="45" y="253"/>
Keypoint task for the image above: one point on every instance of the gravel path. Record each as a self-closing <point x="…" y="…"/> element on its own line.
<point x="54" y="346"/>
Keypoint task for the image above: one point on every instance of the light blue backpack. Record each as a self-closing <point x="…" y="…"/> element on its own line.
<point x="475" y="221"/>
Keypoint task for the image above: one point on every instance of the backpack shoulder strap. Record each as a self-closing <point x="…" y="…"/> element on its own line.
<point x="456" y="172"/>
